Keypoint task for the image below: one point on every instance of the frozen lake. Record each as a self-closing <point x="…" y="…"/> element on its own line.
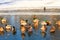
<point x="14" y="21"/>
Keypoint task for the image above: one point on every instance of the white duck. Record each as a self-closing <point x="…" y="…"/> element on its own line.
<point x="4" y="21"/>
<point x="43" y="23"/>
<point x="23" y="22"/>
<point x="8" y="28"/>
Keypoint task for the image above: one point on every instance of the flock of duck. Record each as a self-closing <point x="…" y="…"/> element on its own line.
<point x="7" y="27"/>
<point x="27" y="27"/>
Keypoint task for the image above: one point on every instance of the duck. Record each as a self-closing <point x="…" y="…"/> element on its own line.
<point x="43" y="23"/>
<point x="52" y="30"/>
<point x="30" y="30"/>
<point x="43" y="29"/>
<point x="35" y="23"/>
<point x="4" y="21"/>
<point x="58" y="23"/>
<point x="13" y="30"/>
<point x="1" y="30"/>
<point x="23" y="29"/>
<point x="48" y="22"/>
<point x="8" y="28"/>
<point x="23" y="22"/>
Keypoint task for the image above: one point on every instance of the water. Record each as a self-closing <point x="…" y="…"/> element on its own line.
<point x="37" y="35"/>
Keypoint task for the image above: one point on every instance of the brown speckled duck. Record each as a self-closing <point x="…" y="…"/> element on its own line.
<point x="23" y="29"/>
<point x="48" y="22"/>
<point x="35" y="22"/>
<point x="1" y="30"/>
<point x="52" y="30"/>
<point x="43" y="29"/>
<point x="58" y="23"/>
<point x="30" y="30"/>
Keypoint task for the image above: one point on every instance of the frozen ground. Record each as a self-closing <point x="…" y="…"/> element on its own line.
<point x="29" y="4"/>
<point x="14" y="21"/>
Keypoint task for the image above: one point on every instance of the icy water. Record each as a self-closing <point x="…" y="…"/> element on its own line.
<point x="37" y="35"/>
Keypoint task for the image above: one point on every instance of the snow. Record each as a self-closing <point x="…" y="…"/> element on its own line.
<point x="30" y="4"/>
